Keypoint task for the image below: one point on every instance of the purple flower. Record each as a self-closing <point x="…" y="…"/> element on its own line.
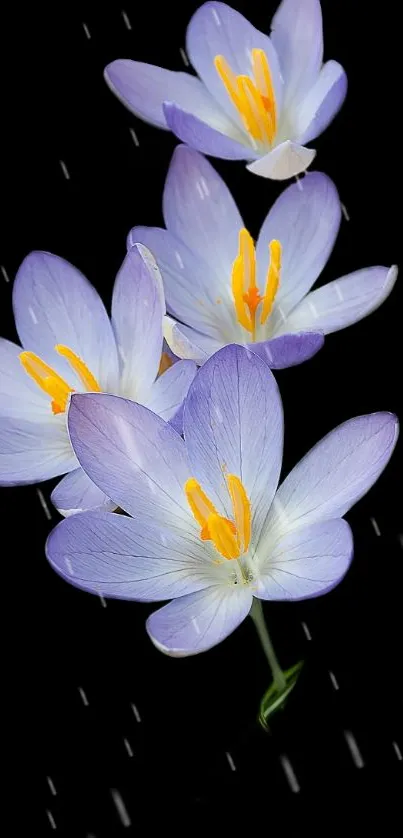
<point x="210" y="529"/>
<point x="70" y="344"/>
<point x="222" y="290"/>
<point x="257" y="98"/>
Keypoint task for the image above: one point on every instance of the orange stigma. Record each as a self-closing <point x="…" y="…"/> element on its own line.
<point x="52" y="383"/>
<point x="230" y="538"/>
<point x="245" y="291"/>
<point x="253" y="98"/>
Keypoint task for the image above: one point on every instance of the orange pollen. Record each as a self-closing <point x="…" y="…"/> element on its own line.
<point x="52" y="383"/>
<point x="252" y="96"/>
<point x="230" y="538"/>
<point x="246" y="294"/>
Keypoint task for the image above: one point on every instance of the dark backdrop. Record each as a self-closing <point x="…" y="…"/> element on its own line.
<point x="99" y="720"/>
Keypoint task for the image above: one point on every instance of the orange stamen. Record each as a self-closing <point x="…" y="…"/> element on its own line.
<point x="230" y="539"/>
<point x="273" y="279"/>
<point x="51" y="382"/>
<point x="246" y="294"/>
<point x="253" y="98"/>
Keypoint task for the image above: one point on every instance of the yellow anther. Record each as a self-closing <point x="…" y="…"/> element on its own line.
<point x="241" y="511"/>
<point x="198" y="501"/>
<point x="264" y="85"/>
<point x="165" y="363"/>
<point x="80" y="368"/>
<point x="246" y="294"/>
<point x="230" y="538"/>
<point x="51" y="382"/>
<point x="253" y="98"/>
<point x="224" y="538"/>
<point x="47" y="379"/>
<point x="228" y="78"/>
<point x="244" y="289"/>
<point x="238" y="293"/>
<point x="258" y="119"/>
<point x="273" y="279"/>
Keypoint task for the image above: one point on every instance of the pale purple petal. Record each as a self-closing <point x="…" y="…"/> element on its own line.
<point x="321" y="103"/>
<point x="298" y="38"/>
<point x="144" y="88"/>
<point x="344" y="301"/>
<point x="282" y="162"/>
<point x="170" y="389"/>
<point x="200" y="211"/>
<point x="31" y="451"/>
<point x="216" y="29"/>
<point x="288" y="350"/>
<point x="191" y="290"/>
<point x="135" y="457"/>
<point x="137" y="313"/>
<point x="120" y="557"/>
<point x="55" y="304"/>
<point x="335" y="474"/>
<point x="77" y="493"/>
<point x="202" y="136"/>
<point x="307" y="562"/>
<point x="151" y="263"/>
<point x="187" y="343"/>
<point x="233" y="423"/>
<point x="20" y="397"/>
<point x="199" y="621"/>
<point x="305" y="219"/>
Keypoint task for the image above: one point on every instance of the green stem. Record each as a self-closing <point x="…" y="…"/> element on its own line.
<point x="256" y="613"/>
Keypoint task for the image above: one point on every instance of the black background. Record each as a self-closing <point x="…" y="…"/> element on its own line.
<point x="71" y="667"/>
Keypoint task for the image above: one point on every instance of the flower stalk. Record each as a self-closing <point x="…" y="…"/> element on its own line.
<point x="257" y="615"/>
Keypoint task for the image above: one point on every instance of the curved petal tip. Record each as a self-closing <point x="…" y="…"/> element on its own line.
<point x="285" y="161"/>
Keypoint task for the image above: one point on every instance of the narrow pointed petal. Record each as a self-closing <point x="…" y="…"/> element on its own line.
<point x="233" y="423"/>
<point x="55" y="304"/>
<point x="305" y="219"/>
<point x="120" y="557"/>
<point x="289" y="350"/>
<point x="144" y="88"/>
<point x="344" y="301"/>
<point x="200" y="210"/>
<point x="307" y="562"/>
<point x="284" y="161"/>
<point x="132" y="455"/>
<point x="191" y="289"/>
<point x="77" y="493"/>
<point x="297" y="36"/>
<point x="187" y="343"/>
<point x="218" y="140"/>
<point x="34" y="451"/>
<point x="335" y="474"/>
<point x="216" y="29"/>
<point x="199" y="621"/>
<point x="321" y="103"/>
<point x="19" y="395"/>
<point x="170" y="389"/>
<point x="137" y="313"/>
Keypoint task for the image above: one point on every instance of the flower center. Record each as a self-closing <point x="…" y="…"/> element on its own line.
<point x="53" y="384"/>
<point x="230" y="538"/>
<point x="247" y="296"/>
<point x="253" y="98"/>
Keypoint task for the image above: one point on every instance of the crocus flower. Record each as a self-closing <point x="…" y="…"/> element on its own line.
<point x="211" y="530"/>
<point x="70" y="345"/>
<point x="257" y="98"/>
<point x="222" y="289"/>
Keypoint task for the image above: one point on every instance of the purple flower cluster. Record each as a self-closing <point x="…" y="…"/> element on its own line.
<point x="118" y="405"/>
